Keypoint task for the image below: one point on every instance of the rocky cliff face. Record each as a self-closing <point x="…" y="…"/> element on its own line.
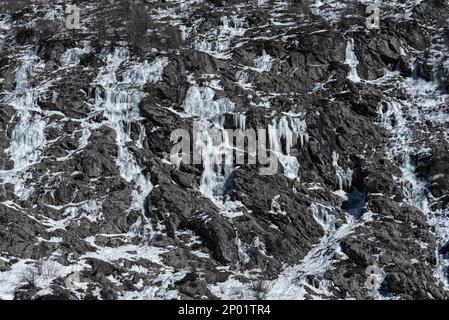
<point x="93" y="207"/>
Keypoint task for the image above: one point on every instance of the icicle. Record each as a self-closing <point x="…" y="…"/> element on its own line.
<point x="26" y="139"/>
<point x="200" y="102"/>
<point x="352" y="61"/>
<point x="215" y="172"/>
<point x="28" y="136"/>
<point x="425" y="103"/>
<point x="240" y="120"/>
<point x="121" y="107"/>
<point x="342" y="179"/>
<point x="283" y="134"/>
<point x="146" y="72"/>
<point x="217" y="42"/>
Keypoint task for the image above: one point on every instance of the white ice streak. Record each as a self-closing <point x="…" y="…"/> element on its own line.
<point x="352" y="61"/>
<point x="343" y="178"/>
<point x="283" y="134"/>
<point x="425" y="105"/>
<point x="217" y="42"/>
<point x="322" y="215"/>
<point x="294" y="280"/>
<point x="263" y="63"/>
<point x="200" y="102"/>
<point x="120" y="103"/>
<point x="27" y="138"/>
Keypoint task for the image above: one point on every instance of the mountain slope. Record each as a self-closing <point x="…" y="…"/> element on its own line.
<point x="91" y="205"/>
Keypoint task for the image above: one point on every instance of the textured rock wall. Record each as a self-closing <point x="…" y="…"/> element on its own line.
<point x="91" y="206"/>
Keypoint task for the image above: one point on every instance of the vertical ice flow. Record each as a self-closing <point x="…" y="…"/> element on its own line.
<point x="120" y="103"/>
<point x="200" y="102"/>
<point x="352" y="61"/>
<point x="217" y="42"/>
<point x="398" y="117"/>
<point x="28" y="136"/>
<point x="283" y="134"/>
<point x="342" y="179"/>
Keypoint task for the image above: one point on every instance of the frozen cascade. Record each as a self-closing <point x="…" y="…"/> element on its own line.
<point x="416" y="192"/>
<point x="342" y="179"/>
<point x="215" y="174"/>
<point x="352" y="61"/>
<point x="398" y="117"/>
<point x="414" y="189"/>
<point x="200" y="102"/>
<point x="430" y="103"/>
<point x="334" y="10"/>
<point x="218" y="41"/>
<point x="26" y="139"/>
<point x="241" y="250"/>
<point x="28" y="135"/>
<point x="283" y="134"/>
<point x="120" y="103"/>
